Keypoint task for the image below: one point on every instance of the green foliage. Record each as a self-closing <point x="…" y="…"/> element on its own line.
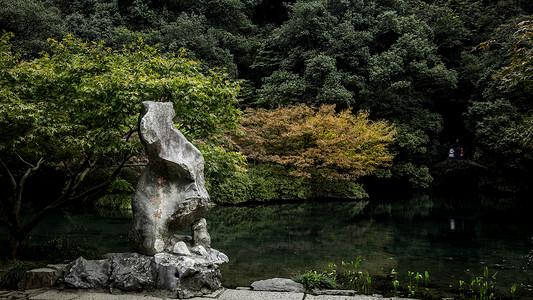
<point x="481" y="287"/>
<point x="419" y="177"/>
<point x="114" y="201"/>
<point x="405" y="61"/>
<point x="270" y="182"/>
<point x="32" y="22"/>
<point x="518" y="74"/>
<point x="14" y="275"/>
<point x="346" y="276"/>
<point x="226" y="178"/>
<point x="491" y="121"/>
<point x="99" y="92"/>
<point x="78" y="106"/>
<point x="361" y="54"/>
<point x="317" y="281"/>
<point x="349" y="276"/>
<point x="120" y="185"/>
<point x="219" y="33"/>
<point x="61" y="248"/>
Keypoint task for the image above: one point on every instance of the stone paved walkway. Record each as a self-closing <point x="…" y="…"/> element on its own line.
<point x="227" y="294"/>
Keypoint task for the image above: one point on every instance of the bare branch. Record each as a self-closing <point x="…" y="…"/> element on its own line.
<point x="80" y="177"/>
<point x="22" y="159"/>
<point x="10" y="175"/>
<point x="66" y="197"/>
<point x="130" y="133"/>
<point x="104" y="184"/>
<point x="68" y="169"/>
<point x="20" y="186"/>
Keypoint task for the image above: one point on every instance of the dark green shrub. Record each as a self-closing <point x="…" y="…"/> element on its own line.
<point x="61" y="249"/>
<point x="270" y="182"/>
<point x="14" y="274"/>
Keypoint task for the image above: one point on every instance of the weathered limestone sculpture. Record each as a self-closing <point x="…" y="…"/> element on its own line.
<point x="169" y="197"/>
<point x="171" y="194"/>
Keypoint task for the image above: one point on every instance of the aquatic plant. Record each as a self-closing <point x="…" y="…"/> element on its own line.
<point x="347" y="276"/>
<point x="414" y="286"/>
<point x="481" y="287"/>
<point x="512" y="290"/>
<point x="313" y="280"/>
<point x="350" y="277"/>
<point x="396" y="285"/>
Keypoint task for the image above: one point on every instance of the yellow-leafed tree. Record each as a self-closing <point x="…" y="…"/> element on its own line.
<point x="335" y="145"/>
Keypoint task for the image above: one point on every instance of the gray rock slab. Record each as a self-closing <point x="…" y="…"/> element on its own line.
<point x="278" y="285"/>
<point x="56" y="295"/>
<point x="353" y="297"/>
<point x="104" y="296"/>
<point x="37" y="278"/>
<point x="90" y="295"/>
<point x="87" y="274"/>
<point x="259" y="295"/>
<point x="132" y="272"/>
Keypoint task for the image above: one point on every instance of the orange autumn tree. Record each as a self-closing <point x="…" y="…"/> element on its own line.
<point x="335" y="145"/>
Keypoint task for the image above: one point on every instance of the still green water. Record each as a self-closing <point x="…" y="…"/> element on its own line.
<point x="452" y="239"/>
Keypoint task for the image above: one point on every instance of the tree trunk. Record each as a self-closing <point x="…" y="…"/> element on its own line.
<point x="14" y="244"/>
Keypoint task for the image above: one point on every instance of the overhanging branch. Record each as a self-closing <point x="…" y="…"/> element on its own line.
<point x="66" y="198"/>
<point x="104" y="184"/>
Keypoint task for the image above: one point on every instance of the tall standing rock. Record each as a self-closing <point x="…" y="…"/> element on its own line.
<point x="170" y="197"/>
<point x="171" y="194"/>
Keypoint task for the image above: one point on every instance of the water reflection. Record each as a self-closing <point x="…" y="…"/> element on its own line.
<point x="421" y="234"/>
<point x="451" y="239"/>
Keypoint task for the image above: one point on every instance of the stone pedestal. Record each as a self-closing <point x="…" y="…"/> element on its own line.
<point x="164" y="274"/>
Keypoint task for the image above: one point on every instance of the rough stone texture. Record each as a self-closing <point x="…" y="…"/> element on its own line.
<point x="42" y="277"/>
<point x="168" y="275"/>
<point x="132" y="272"/>
<point x="278" y="285"/>
<point x="180" y="248"/>
<point x="187" y="276"/>
<point x="87" y="274"/>
<point x="200" y="235"/>
<point x="171" y="194"/>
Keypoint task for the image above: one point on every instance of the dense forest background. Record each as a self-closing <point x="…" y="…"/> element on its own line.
<point x="424" y="66"/>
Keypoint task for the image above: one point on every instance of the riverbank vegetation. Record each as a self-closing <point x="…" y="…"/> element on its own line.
<point x="349" y="276"/>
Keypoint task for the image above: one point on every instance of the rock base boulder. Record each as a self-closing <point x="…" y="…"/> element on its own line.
<point x="165" y="274"/>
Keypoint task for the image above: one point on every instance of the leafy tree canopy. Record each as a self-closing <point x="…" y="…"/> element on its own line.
<point x="323" y="142"/>
<point x="76" y="108"/>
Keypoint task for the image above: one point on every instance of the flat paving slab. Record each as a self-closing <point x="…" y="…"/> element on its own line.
<point x="339" y="297"/>
<point x="88" y="295"/>
<point x="52" y="294"/>
<point x="259" y="295"/>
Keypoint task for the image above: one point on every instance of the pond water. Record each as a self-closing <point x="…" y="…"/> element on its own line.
<point x="451" y="239"/>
